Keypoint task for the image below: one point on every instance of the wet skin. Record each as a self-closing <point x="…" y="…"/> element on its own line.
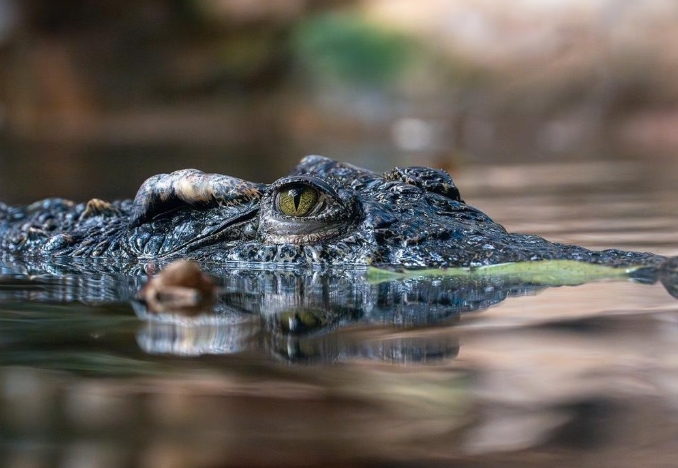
<point x="260" y="241"/>
<point x="326" y="213"/>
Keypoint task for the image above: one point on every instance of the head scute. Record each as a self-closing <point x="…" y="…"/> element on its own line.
<point x="326" y="168"/>
<point x="432" y="180"/>
<point x="190" y="188"/>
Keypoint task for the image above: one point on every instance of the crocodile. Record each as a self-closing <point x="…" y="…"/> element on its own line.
<point x="325" y="213"/>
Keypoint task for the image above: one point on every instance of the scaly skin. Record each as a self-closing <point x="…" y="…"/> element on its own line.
<point x="407" y="217"/>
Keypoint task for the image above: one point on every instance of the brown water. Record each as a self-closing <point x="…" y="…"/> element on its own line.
<point x="563" y="376"/>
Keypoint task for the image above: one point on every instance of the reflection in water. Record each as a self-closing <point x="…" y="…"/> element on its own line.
<point x="96" y="384"/>
<point x="570" y="389"/>
<point x="337" y="368"/>
<point x="291" y="315"/>
<point x="319" y="316"/>
<point x="298" y="316"/>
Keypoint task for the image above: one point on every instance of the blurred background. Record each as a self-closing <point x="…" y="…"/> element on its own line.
<point x="95" y="96"/>
<point x="557" y="116"/>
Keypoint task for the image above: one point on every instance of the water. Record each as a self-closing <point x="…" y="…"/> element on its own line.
<point x="340" y="369"/>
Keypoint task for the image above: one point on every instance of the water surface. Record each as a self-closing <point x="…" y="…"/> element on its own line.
<point x="339" y="369"/>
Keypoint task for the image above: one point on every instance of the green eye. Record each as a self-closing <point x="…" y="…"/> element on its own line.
<point x="297" y="200"/>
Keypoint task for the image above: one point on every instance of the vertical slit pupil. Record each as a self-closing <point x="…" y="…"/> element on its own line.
<point x="296" y="193"/>
<point x="297" y="201"/>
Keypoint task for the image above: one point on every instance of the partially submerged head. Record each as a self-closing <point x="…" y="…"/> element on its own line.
<point x="324" y="213"/>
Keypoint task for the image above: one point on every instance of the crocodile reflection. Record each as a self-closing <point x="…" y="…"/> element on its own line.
<point x="321" y="316"/>
<point x="302" y="318"/>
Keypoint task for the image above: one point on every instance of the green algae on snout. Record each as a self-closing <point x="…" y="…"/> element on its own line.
<point x="544" y="272"/>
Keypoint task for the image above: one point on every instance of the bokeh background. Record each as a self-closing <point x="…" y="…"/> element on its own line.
<point x="557" y="117"/>
<point x="95" y="95"/>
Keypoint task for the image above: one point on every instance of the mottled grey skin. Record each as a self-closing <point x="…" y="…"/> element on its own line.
<point x="408" y="217"/>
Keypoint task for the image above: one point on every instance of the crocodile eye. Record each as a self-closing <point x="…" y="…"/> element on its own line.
<point x="297" y="200"/>
<point x="302" y="209"/>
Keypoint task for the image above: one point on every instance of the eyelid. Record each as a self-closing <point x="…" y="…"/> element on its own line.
<point x="318" y="184"/>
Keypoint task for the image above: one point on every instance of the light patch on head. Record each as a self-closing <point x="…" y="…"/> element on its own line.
<point x="190" y="190"/>
<point x="194" y="188"/>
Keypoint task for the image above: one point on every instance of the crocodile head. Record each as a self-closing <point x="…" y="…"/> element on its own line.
<point x="325" y="212"/>
<point x="331" y="213"/>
